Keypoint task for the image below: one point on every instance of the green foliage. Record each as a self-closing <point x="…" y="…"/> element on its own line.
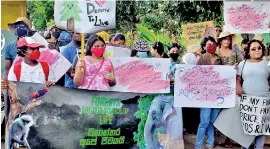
<point x="193" y="12"/>
<point x="41" y="12"/>
<point x="50" y="23"/>
<point x="145" y="33"/>
<point x="156" y="23"/>
<point x="126" y="13"/>
<point x="151" y="37"/>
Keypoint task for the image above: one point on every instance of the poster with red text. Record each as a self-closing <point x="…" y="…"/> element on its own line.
<point x="247" y="17"/>
<point x="141" y="75"/>
<point x="205" y="86"/>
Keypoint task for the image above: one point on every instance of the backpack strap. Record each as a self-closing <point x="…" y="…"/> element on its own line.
<point x="46" y="69"/>
<point x="17" y="70"/>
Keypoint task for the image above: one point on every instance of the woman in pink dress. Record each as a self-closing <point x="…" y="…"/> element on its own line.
<point x="98" y="71"/>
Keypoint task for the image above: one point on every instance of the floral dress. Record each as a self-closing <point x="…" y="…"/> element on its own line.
<point x="94" y="75"/>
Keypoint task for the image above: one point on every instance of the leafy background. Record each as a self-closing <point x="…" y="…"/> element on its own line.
<point x="162" y="19"/>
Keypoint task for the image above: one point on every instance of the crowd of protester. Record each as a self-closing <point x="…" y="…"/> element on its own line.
<point x="250" y="60"/>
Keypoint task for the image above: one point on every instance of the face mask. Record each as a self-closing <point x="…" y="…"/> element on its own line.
<point x="78" y="43"/>
<point x="56" y="34"/>
<point x="21" y="32"/>
<point x="98" y="52"/>
<point x="211" y="49"/>
<point x="174" y="56"/>
<point x="142" y="54"/>
<point x="34" y="55"/>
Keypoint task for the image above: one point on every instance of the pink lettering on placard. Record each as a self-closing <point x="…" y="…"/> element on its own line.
<point x="247" y="18"/>
<point x="205" y="84"/>
<point x="141" y="77"/>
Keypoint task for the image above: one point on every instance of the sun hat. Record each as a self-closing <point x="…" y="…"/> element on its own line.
<point x="28" y="42"/>
<point x="226" y="34"/>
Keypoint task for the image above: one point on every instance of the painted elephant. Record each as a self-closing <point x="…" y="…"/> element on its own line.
<point x="163" y="114"/>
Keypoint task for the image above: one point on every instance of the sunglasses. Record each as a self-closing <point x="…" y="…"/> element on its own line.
<point x="258" y="48"/>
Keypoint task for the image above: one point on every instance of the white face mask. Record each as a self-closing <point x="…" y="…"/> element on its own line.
<point x="142" y="54"/>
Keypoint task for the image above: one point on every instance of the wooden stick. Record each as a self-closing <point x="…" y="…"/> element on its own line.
<point x="82" y="50"/>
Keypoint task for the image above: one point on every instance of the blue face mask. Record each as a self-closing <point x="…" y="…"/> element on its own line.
<point x="21" y="32"/>
<point x="142" y="54"/>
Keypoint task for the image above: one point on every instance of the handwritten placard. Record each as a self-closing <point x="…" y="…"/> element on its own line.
<point x="205" y="86"/>
<point x="141" y="75"/>
<point x="255" y="115"/>
<point x="247" y="17"/>
<point x="85" y="16"/>
<point x="210" y="31"/>
<point x="113" y="51"/>
<point x="194" y="32"/>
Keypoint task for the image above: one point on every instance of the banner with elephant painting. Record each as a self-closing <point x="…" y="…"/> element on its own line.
<point x="205" y="86"/>
<point x="85" y="16"/>
<point x="247" y="17"/>
<point x="63" y="118"/>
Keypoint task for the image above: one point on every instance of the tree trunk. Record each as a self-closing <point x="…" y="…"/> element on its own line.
<point x="70" y="24"/>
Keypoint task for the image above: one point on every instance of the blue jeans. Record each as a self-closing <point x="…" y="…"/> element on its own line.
<point x="259" y="142"/>
<point x="208" y="117"/>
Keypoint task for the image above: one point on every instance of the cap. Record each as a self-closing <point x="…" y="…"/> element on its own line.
<point x="28" y="42"/>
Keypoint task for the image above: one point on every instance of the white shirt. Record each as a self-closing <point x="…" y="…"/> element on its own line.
<point x="29" y="73"/>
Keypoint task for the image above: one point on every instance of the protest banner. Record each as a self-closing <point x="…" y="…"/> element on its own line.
<point x="204" y="86"/>
<point x="147" y="75"/>
<point x="85" y="16"/>
<point x="194" y="33"/>
<point x="247" y="17"/>
<point x="255" y="115"/>
<point x="69" y="118"/>
<point x="113" y="51"/>
<point x="58" y="64"/>
<point x="210" y="31"/>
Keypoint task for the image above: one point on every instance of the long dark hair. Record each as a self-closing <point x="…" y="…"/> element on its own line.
<point x="219" y="40"/>
<point x="206" y="39"/>
<point x="91" y="41"/>
<point x="118" y="37"/>
<point x="247" y="56"/>
<point x="160" y="49"/>
<point x="173" y="45"/>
